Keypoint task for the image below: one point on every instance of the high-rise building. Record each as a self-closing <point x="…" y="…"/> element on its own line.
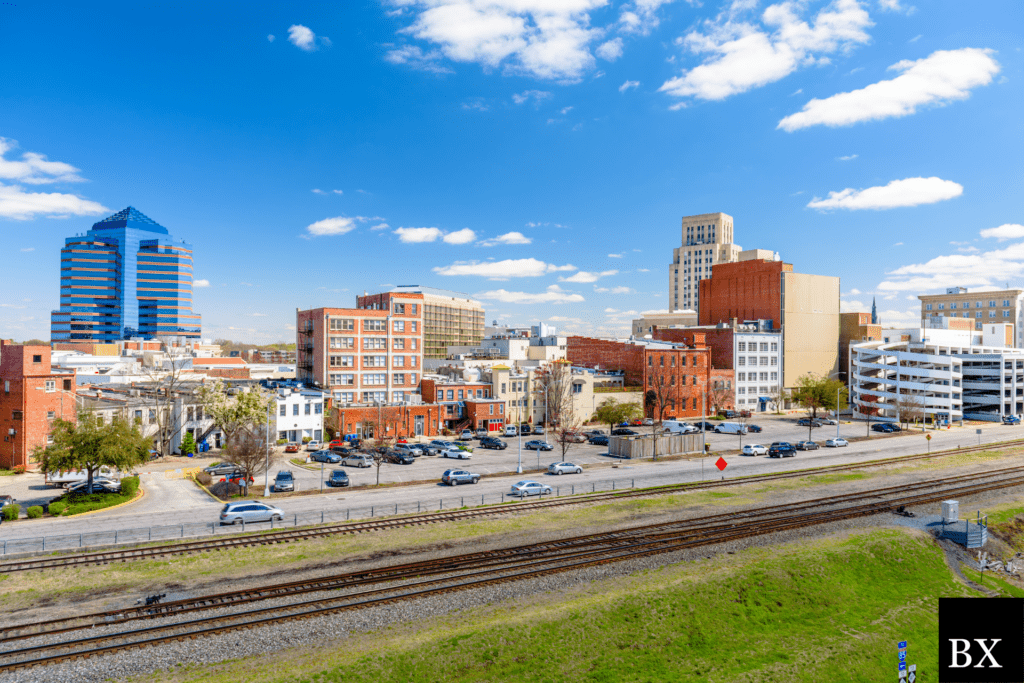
<point x="449" y="318"/>
<point x="982" y="308"/>
<point x="126" y="277"/>
<point x="707" y="241"/>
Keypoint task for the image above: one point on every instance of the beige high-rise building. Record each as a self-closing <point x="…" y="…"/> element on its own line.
<point x="706" y="241"/>
<point x="997" y="306"/>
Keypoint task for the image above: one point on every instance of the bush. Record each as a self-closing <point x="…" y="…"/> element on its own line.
<point x="281" y="442"/>
<point x="129" y="485"/>
<point x="57" y="507"/>
<point x="204" y="478"/>
<point x="35" y="511"/>
<point x="11" y="512"/>
<point x="19" y="469"/>
<point x="307" y="439"/>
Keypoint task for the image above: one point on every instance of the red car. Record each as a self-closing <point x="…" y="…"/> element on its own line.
<point x="236" y="479"/>
<point x="291" y="448"/>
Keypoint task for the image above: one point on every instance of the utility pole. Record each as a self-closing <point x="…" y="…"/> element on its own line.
<point x="519" y="431"/>
<point x="703" y="434"/>
<point x="266" y="472"/>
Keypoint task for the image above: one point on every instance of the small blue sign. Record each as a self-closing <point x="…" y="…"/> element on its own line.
<point x="903" y="655"/>
<point x="902" y="645"/>
<point x="903" y="666"/>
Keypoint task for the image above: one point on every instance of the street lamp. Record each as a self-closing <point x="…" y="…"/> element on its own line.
<point x="266" y="472"/>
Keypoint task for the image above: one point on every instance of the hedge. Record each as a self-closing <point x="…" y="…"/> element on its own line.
<point x="57" y="507"/>
<point x="129" y="485"/>
<point x="204" y="478"/>
<point x="11" y="512"/>
<point x="35" y="511"/>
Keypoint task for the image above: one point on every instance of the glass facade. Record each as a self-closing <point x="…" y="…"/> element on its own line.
<point x="126" y="277"/>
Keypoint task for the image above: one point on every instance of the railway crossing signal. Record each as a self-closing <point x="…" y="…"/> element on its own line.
<point x="721" y="464"/>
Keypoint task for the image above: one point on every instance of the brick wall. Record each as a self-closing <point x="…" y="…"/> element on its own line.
<point x="486" y="414"/>
<point x="607" y="354"/>
<point x="685" y="374"/>
<point x="747" y="290"/>
<point x="403" y="418"/>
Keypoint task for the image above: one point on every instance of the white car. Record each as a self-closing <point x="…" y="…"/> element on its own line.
<point x="827" y="421"/>
<point x="564" y="468"/>
<point x="456" y="454"/>
<point x="511" y="430"/>
<point x="466" y="434"/>
<point x="837" y="443"/>
<point x="529" y="488"/>
<point x="313" y="446"/>
<point x="755" y="449"/>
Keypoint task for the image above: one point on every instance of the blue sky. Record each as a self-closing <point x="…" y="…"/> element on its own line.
<point x="537" y="154"/>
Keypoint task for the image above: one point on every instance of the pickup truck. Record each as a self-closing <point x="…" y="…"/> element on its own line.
<point x="456" y="477"/>
<point x="75" y="476"/>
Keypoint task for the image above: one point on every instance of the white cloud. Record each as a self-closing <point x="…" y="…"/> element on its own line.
<point x="34" y="169"/>
<point x="27" y="249"/>
<point x="338" y="191"/>
<point x="19" y="205"/>
<point x="614" y="255"/>
<point x="418" y="235"/>
<point x="316" y="191"/>
<point x="898" y="244"/>
<point x="584" y="276"/>
<point x="938" y="79"/>
<point x="513" y="237"/>
<point x="854" y="291"/>
<point x="613" y="290"/>
<point x="565" y="110"/>
<point x="503" y="270"/>
<point x="977" y="270"/>
<point x="271" y="37"/>
<point x="611" y="50"/>
<point x="643" y="270"/>
<point x="302" y="37"/>
<point x="898" y="193"/>
<point x="338" y="225"/>
<point x="412" y="56"/>
<point x="741" y="55"/>
<point x="853" y="307"/>
<point x="1007" y="231"/>
<point x="849" y="157"/>
<point x="536" y="95"/>
<point x="611" y="310"/>
<point x="382" y="226"/>
<point x="640" y="16"/>
<point x="553" y="295"/>
<point x="629" y="84"/>
<point x="540" y="38"/>
<point x="463" y="236"/>
<point x="199" y="284"/>
<point x="895" y="6"/>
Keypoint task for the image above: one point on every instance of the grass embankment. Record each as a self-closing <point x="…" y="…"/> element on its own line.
<point x="76" y="504"/>
<point x="831" y="610"/>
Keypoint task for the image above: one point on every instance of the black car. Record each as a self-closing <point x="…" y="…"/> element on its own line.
<point x="325" y="456"/>
<point x="399" y="458"/>
<point x="491" y="442"/>
<point x="98" y="486"/>
<point x="338" y="478"/>
<point x="728" y="414"/>
<point x="525" y="430"/>
<point x="623" y="432"/>
<point x="599" y="440"/>
<point x="707" y="426"/>
<point x="884" y="427"/>
<point x="753" y="429"/>
<point x="781" y="449"/>
<point x="806" y="446"/>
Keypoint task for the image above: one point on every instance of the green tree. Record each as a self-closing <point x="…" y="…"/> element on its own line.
<point x="816" y="393"/>
<point x="611" y="412"/>
<point x="91" y="444"/>
<point x="235" y="411"/>
<point x="188" y="444"/>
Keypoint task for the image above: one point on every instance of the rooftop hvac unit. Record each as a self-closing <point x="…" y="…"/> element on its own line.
<point x="950" y="511"/>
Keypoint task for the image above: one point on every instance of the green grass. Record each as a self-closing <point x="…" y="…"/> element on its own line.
<point x="991" y="582"/>
<point x="831" y="610"/>
<point x="94" y="501"/>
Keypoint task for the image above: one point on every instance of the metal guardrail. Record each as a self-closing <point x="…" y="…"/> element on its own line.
<point x="163" y="533"/>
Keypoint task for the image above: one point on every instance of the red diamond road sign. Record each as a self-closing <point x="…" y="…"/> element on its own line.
<point x="721" y="464"/>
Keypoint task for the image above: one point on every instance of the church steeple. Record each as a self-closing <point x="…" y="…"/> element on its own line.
<point x="874" y="312"/>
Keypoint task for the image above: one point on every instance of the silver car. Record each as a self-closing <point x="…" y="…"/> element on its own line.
<point x="284" y="481"/>
<point x="412" y="449"/>
<point x="357" y="460"/>
<point x="529" y="488"/>
<point x="564" y="468"/>
<point x="249" y="511"/>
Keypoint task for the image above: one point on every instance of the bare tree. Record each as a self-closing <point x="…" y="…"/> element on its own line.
<point x="661" y="384"/>
<point x="720" y="396"/>
<point x="248" y="450"/>
<point x="777" y="396"/>
<point x="383" y="426"/>
<point x="562" y="399"/>
<point x="909" y="408"/>
<point x="168" y="387"/>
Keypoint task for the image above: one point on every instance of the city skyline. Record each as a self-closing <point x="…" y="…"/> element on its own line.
<point x="541" y="167"/>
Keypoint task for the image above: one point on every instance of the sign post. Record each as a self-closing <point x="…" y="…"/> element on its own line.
<point x="928" y="437"/>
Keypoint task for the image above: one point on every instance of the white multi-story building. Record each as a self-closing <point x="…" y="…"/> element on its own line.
<point x="706" y="241"/>
<point x="757" y="366"/>
<point x="299" y="413"/>
<point x="981" y="308"/>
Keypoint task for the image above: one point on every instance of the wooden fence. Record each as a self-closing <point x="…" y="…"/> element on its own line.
<point x="647" y="446"/>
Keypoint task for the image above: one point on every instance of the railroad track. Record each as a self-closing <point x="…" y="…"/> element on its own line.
<point x="350" y="528"/>
<point x="473" y="570"/>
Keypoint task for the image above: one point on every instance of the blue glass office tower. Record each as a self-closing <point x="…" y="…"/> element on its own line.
<point x="126" y="277"/>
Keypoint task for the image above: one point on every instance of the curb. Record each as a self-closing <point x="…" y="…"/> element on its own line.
<point x="138" y="496"/>
<point x="213" y="497"/>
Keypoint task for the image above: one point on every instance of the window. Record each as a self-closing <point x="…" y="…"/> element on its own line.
<point x="50" y="414"/>
<point x="764" y="376"/>
<point x="412" y="342"/>
<point x="978" y="314"/>
<point x="51" y="385"/>
<point x="398" y="361"/>
<point x="977" y="304"/>
<point x="399" y="326"/>
<point x="342" y="324"/>
<point x="1006" y="302"/>
<point x="764" y="347"/>
<point x="1006" y="314"/>
<point x="966" y="314"/>
<point x="775" y="377"/>
<point x="375" y="396"/>
<point x="741" y="360"/>
<point x="413" y="326"/>
<point x="741" y="346"/>
<point x="318" y="408"/>
<point x="451" y="395"/>
<point x="152" y="414"/>
<point x="775" y="347"/>
<point x="7" y="386"/>
<point x="650" y="361"/>
<point x="412" y="378"/>
<point x="413" y="308"/>
<point x="501" y="409"/>
<point x="927" y="307"/>
<point x="440" y="394"/>
<point x="479" y="393"/>
<point x="343" y="342"/>
<point x="398" y="344"/>
<point x="764" y="360"/>
<point x="37" y="358"/>
<point x="991" y="304"/>
<point x="374" y="326"/>
<point x="375" y="343"/>
<point x="492" y="409"/>
<point x="342" y="361"/>
<point x="400" y="309"/>
<point x="295" y="409"/>
<point x="344" y="379"/>
<point x="461" y="394"/>
<point x="775" y="360"/>
<point x="345" y="396"/>
<point x="991" y="314"/>
<point x="412" y="361"/>
<point x="764" y="390"/>
<point x="661" y="360"/>
<point x="49" y="439"/>
<point x="942" y="307"/>
<point x="398" y="378"/>
<point x="694" y="403"/>
<point x="742" y="377"/>
<point x="503" y="387"/>
<point x="309" y="410"/>
<point x="952" y="306"/>
<point x="741" y="390"/>
<point x="672" y="361"/>
<point x="375" y="361"/>
<point x="374" y="379"/>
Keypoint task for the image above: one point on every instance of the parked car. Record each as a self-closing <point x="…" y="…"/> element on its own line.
<point x="755" y="449"/>
<point x="730" y="428"/>
<point x="808" y="422"/>
<point x="806" y="446"/>
<point x="312" y="445"/>
<point x="493" y="443"/>
<point x="837" y="443"/>
<point x="6" y="500"/>
<point x="648" y="422"/>
<point x="538" y="445"/>
<point x="441" y="444"/>
<point x="622" y="431"/>
<point x="539" y="429"/>
<point x="329" y="457"/>
<point x="677" y="427"/>
<point x="1011" y="420"/>
<point x="599" y="440"/>
<point x="284" y="481"/>
<point x="466" y="434"/>
<point x="728" y="414"/>
<point x="525" y="430"/>
<point x="595" y="432"/>
<point x="98" y="486"/>
<point x="237" y="479"/>
<point x="705" y="426"/>
<point x="754" y="429"/>
<point x="410" y="448"/>
<point x="456" y="477"/>
<point x="220" y="468"/>
<point x="357" y="460"/>
<point x="396" y="457"/>
<point x="96" y="478"/>
<point x="249" y="511"/>
<point x="529" y="488"/>
<point x="574" y="437"/>
<point x="291" y="448"/>
<point x="338" y="478"/>
<point x="883" y="427"/>
<point x="564" y="468"/>
<point x="781" y="449"/>
<point x="480" y="433"/>
<point x="511" y="430"/>
<point x="827" y="421"/>
<point x="456" y="453"/>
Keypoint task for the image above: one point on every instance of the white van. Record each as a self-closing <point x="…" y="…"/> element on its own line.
<point x="677" y="427"/>
<point x="730" y="428"/>
<point x="511" y="430"/>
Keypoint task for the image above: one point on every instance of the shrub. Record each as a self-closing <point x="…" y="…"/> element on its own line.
<point x="204" y="478"/>
<point x="35" y="511"/>
<point x="281" y="442"/>
<point x="57" y="507"/>
<point x="129" y="485"/>
<point x="11" y="512"/>
<point x="19" y="469"/>
<point x="307" y="439"/>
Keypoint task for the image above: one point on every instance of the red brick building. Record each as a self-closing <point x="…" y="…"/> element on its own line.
<point x="363" y="355"/>
<point x="677" y="373"/>
<point x="464" y="404"/>
<point x="32" y="397"/>
<point x="400" y="421"/>
<point x="745" y="290"/>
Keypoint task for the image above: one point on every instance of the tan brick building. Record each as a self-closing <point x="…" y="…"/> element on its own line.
<point x="999" y="306"/>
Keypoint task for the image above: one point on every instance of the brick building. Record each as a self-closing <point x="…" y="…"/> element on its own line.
<point x="447" y="318"/>
<point x="363" y="355"/>
<point x="399" y="421"/>
<point x="33" y="396"/>
<point x="678" y="373"/>
<point x="453" y="396"/>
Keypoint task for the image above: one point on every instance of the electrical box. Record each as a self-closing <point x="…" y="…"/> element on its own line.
<point x="950" y="511"/>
